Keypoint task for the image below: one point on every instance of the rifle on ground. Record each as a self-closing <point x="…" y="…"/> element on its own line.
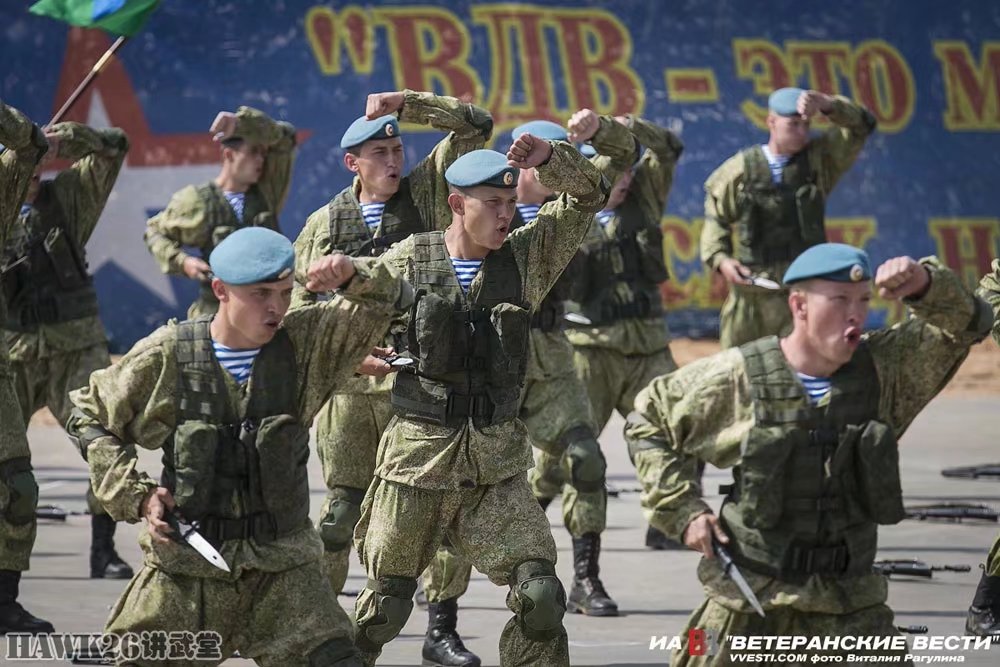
<point x="913" y="568"/>
<point x="984" y="470"/>
<point x="913" y="629"/>
<point x="954" y="512"/>
<point x="55" y="513"/>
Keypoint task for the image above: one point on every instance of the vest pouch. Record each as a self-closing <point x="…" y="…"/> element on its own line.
<point x="876" y="461"/>
<point x="809" y="203"/>
<point x="66" y="266"/>
<point x="283" y="452"/>
<point x="652" y="266"/>
<point x="433" y="330"/>
<point x="747" y="225"/>
<point x="196" y="447"/>
<point x="508" y="345"/>
<point x="219" y="234"/>
<point x="762" y="471"/>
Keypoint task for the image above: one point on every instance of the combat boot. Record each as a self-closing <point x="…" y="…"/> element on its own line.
<point x="984" y="614"/>
<point x="442" y="645"/>
<point x="14" y="617"/>
<point x="104" y="560"/>
<point x="658" y="541"/>
<point x="544" y="502"/>
<point x="588" y="595"/>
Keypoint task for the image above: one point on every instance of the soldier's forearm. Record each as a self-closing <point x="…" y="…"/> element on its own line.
<point x="447" y="114"/>
<point x="849" y="115"/>
<point x="949" y="305"/>
<point x="569" y="172"/>
<point x="168" y="254"/>
<point x="665" y="144"/>
<point x="117" y="483"/>
<point x="257" y="127"/>
<point x="17" y="132"/>
<point x="615" y="141"/>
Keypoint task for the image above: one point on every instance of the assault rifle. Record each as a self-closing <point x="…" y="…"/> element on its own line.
<point x="986" y="470"/>
<point x="55" y="513"/>
<point x="954" y="512"/>
<point x="914" y="568"/>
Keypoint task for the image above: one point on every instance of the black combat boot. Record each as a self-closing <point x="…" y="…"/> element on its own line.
<point x="442" y="645"/>
<point x="545" y="502"/>
<point x="104" y="560"/>
<point x="658" y="541"/>
<point x="984" y="614"/>
<point x="14" y="617"/>
<point x="588" y="595"/>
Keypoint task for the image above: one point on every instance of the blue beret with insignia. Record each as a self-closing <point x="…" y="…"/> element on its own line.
<point x="362" y="130"/>
<point x="785" y="101"/>
<point x="543" y="129"/>
<point x="830" y="261"/>
<point x="482" y="167"/>
<point x="252" y="255"/>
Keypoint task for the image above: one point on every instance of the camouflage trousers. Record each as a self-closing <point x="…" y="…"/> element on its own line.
<point x="993" y="560"/>
<point x="750" y="313"/>
<point x="499" y="528"/>
<point x="720" y="622"/>
<point x="348" y="430"/>
<point x="17" y="525"/>
<point x="274" y="618"/>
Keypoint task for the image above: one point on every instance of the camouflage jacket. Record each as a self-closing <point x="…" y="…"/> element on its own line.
<point x="430" y="456"/>
<point x="193" y="214"/>
<point x="82" y="190"/>
<point x="135" y="401"/>
<point x="704" y="410"/>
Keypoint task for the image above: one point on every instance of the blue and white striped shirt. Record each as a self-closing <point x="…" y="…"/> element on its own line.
<point x="25" y="209"/>
<point x="237" y="200"/>
<point x="373" y="213"/>
<point x="239" y="363"/>
<point x="776" y="162"/>
<point x="466" y="270"/>
<point x="604" y="217"/>
<point x="528" y="212"/>
<point x="816" y="388"/>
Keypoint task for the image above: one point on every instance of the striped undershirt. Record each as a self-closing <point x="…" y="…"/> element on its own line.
<point x="529" y="212"/>
<point x="237" y="200"/>
<point x="373" y="213"/>
<point x="466" y="270"/>
<point x="604" y="217"/>
<point x="816" y="387"/>
<point x="776" y="162"/>
<point x="239" y="363"/>
<point x="25" y="209"/>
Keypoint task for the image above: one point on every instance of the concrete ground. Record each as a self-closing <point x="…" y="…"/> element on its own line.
<point x="655" y="590"/>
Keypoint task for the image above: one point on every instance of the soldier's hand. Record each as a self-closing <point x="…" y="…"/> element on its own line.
<point x="329" y="272"/>
<point x="812" y="102"/>
<point x="54" y="140"/>
<point x="698" y="534"/>
<point x="223" y="126"/>
<point x="735" y="271"/>
<point x="583" y="125"/>
<point x="528" y="151"/>
<point x="902" y="277"/>
<point x="153" y="508"/>
<point x="383" y="104"/>
<point x="376" y="363"/>
<point x="196" y="268"/>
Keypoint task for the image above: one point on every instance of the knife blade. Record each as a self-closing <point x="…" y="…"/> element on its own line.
<point x="733" y="572"/>
<point x="189" y="534"/>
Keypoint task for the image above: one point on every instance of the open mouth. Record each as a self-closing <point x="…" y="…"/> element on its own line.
<point x="272" y="325"/>
<point x="853" y="336"/>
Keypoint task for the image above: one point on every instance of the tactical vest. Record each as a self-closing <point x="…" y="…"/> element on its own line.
<point x="623" y="271"/>
<point x="471" y="352"/>
<point x="814" y="481"/>
<point x="239" y="476"/>
<point x="45" y="280"/>
<point x="777" y="221"/>
<point x="549" y="314"/>
<point x="349" y="233"/>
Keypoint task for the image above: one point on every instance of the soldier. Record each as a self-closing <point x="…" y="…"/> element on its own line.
<point x="984" y="613"/>
<point x="810" y="425"/>
<point x="382" y="207"/>
<point x="229" y="399"/>
<point x="250" y="190"/>
<point x="55" y="337"/>
<point x="452" y="461"/>
<point x="24" y="145"/>
<point x="556" y="411"/>
<point x="774" y="197"/>
<point x="618" y="332"/>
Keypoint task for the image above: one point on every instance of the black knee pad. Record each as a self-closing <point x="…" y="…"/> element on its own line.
<point x="394" y="602"/>
<point x="22" y="490"/>
<point x="335" y="653"/>
<point x="336" y="527"/>
<point x="541" y="600"/>
<point x="587" y="466"/>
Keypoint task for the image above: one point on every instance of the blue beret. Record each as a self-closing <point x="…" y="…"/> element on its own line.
<point x="785" y="101"/>
<point x="543" y="129"/>
<point x="587" y="150"/>
<point x="830" y="261"/>
<point x="362" y="130"/>
<point x="482" y="167"/>
<point x="252" y="255"/>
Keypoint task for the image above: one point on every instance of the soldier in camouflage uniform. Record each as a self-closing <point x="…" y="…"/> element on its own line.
<point x="555" y="408"/>
<point x="452" y="461"/>
<point x="55" y="337"/>
<point x="250" y="191"/>
<point x="24" y="146"/>
<point x="235" y="437"/>
<point x="617" y="326"/>
<point x="984" y="613"/>
<point x="810" y="425"/>
<point x="774" y="197"/>
<point x="382" y="207"/>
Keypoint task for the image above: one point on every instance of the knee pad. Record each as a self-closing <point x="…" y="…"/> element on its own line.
<point x="585" y="461"/>
<point x="335" y="653"/>
<point x="541" y="600"/>
<point x="22" y="490"/>
<point x="336" y="527"/>
<point x="393" y="604"/>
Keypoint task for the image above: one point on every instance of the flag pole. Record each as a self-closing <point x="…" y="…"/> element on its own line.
<point x="94" y="71"/>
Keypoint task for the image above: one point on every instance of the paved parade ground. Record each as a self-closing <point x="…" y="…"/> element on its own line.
<point x="655" y="590"/>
